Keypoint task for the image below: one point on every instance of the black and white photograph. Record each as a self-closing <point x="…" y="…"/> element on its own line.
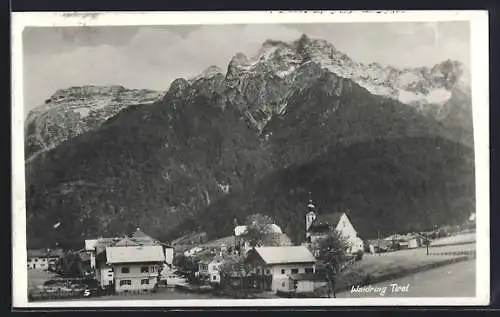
<point x="250" y="158"/>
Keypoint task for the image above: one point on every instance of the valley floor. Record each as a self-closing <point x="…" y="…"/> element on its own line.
<point x="432" y="275"/>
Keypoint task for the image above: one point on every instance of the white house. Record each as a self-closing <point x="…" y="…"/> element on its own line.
<point x="318" y="225"/>
<point x="135" y="267"/>
<point x="277" y="263"/>
<point x="96" y="248"/>
<point x="209" y="268"/>
<point x="44" y="258"/>
<point x="302" y="283"/>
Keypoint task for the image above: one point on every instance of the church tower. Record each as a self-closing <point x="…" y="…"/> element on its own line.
<point x="310" y="217"/>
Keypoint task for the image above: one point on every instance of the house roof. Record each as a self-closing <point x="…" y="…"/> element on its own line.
<point x="42" y="253"/>
<point x="126" y="241"/>
<point x="135" y="254"/>
<point x="141" y="237"/>
<point x="285" y="254"/>
<point x="327" y="219"/>
<point x="90" y="244"/>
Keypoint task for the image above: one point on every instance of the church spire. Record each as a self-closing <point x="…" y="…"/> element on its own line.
<point x="311" y="215"/>
<point x="310" y="205"/>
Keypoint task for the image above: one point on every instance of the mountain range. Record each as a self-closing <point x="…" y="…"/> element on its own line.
<point x="393" y="146"/>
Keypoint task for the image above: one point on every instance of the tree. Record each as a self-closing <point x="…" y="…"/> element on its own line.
<point x="69" y="265"/>
<point x="332" y="259"/>
<point x="187" y="266"/>
<point x="235" y="268"/>
<point x="260" y="231"/>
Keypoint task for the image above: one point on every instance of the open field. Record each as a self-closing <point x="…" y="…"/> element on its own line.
<point x="457" y="239"/>
<point x="38" y="277"/>
<point x="385" y="266"/>
<point x="454" y="280"/>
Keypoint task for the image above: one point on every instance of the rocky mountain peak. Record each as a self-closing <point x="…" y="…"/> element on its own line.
<point x="213" y="69"/>
<point x="72" y="111"/>
<point x="239" y="59"/>
<point x="177" y="89"/>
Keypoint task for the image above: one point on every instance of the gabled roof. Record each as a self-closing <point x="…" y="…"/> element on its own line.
<point x="327" y="219"/>
<point x="285" y="254"/>
<point x="126" y="241"/>
<point x="103" y="243"/>
<point x="135" y="254"/>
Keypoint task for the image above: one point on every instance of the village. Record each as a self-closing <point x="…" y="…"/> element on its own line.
<point x="257" y="261"/>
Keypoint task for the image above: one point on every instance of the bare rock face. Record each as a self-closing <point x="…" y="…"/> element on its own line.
<point x="75" y="110"/>
<point x="260" y="86"/>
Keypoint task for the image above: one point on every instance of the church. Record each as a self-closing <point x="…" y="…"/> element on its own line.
<point x="318" y="225"/>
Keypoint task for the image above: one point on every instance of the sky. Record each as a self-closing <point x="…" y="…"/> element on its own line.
<point x="153" y="56"/>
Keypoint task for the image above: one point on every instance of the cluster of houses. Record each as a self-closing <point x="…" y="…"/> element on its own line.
<point x="283" y="267"/>
<point x="43" y="259"/>
<point x="132" y="263"/>
<point x="138" y="262"/>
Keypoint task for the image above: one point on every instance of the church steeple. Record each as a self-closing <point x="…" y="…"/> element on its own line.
<point x="310" y="215"/>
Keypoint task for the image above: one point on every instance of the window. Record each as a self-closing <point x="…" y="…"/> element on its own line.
<point x="282" y="271"/>
<point x="125" y="270"/>
<point x="283" y="284"/>
<point x="153" y="269"/>
<point x="309" y="270"/>
<point x="214" y="277"/>
<point x="125" y="282"/>
<point x="295" y="271"/>
<point x="36" y="260"/>
<point x="145" y="281"/>
<point x="144" y="269"/>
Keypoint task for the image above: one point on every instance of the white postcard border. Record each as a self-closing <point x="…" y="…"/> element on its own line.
<point x="480" y="101"/>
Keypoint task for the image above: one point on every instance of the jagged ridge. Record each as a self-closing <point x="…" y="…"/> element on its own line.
<point x="75" y="110"/>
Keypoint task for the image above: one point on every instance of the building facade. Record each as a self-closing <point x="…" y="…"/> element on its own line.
<point x="319" y="225"/>
<point x="302" y="283"/>
<point x="43" y="259"/>
<point x="209" y="268"/>
<point x="135" y="277"/>
<point x="136" y="268"/>
<point x="274" y="264"/>
<point x="104" y="270"/>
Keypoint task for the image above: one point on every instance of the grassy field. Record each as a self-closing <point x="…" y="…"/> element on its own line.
<point x="38" y="277"/>
<point x="457" y="239"/>
<point x="376" y="267"/>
